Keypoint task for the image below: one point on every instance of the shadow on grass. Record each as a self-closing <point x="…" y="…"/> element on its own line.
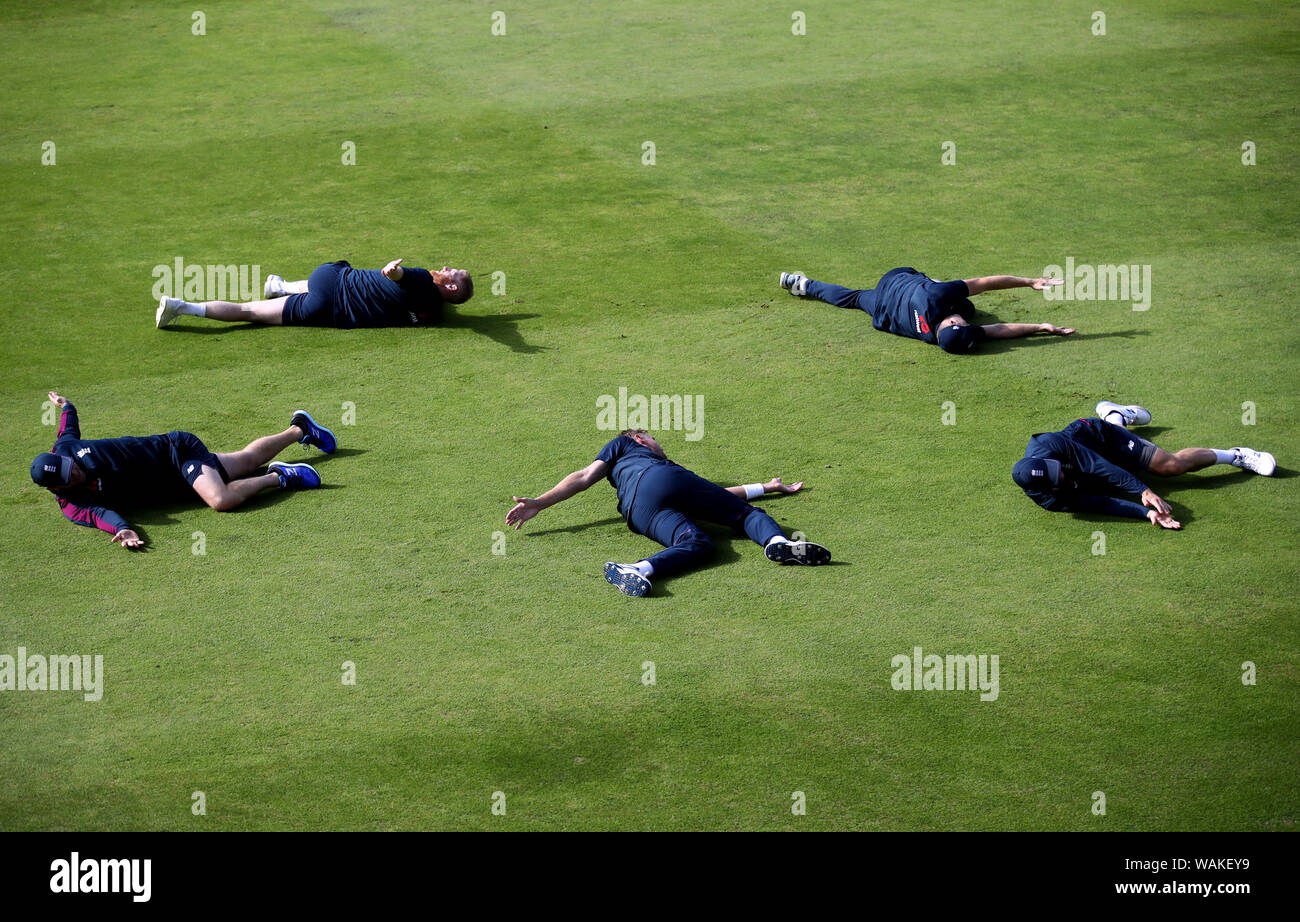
<point x="209" y="327"/>
<point x="997" y="346"/>
<point x="318" y="457"/>
<point x="501" y="328"/>
<point x="165" y="513"/>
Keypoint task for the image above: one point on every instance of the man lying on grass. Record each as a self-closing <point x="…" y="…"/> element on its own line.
<point x="661" y="500"/>
<point x="1075" y="469"/>
<point x="93" y="477"/>
<point x="337" y="295"/>
<point x="909" y="303"/>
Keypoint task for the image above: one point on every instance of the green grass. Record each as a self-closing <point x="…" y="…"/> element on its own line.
<point x="522" y="673"/>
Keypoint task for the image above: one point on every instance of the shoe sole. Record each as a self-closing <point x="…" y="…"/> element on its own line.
<point x="333" y="438"/>
<point x="802" y="552"/>
<point x="786" y="281"/>
<point x="1106" y="407"/>
<point x="160" y="319"/>
<point x="633" y="584"/>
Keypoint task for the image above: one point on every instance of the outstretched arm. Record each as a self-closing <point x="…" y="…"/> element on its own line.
<point x="104" y="519"/>
<point x="1158" y="515"/>
<point x="1017" y="330"/>
<point x="772" y="486"/>
<point x="525" y="508"/>
<point x="68" y="424"/>
<point x="999" y="282"/>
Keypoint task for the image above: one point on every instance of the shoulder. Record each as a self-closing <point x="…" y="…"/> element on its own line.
<point x="614" y="448"/>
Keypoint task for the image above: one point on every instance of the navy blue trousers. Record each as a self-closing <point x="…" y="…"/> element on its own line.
<point x="669" y="498"/>
<point x="861" y="298"/>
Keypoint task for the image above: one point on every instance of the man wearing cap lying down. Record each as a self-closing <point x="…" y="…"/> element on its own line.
<point x="93" y="478"/>
<point x="910" y="303"/>
<point x="1075" y="469"/>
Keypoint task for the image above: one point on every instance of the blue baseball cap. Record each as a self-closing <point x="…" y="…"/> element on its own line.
<point x="1041" y="474"/>
<point x="960" y="339"/>
<point x="51" y="470"/>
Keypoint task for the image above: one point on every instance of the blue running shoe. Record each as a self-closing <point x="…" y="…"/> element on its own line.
<point x="627" y="579"/>
<point x="804" y="552"/>
<point x="295" y="476"/>
<point x="313" y="432"/>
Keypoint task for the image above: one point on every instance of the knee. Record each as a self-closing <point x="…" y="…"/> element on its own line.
<point x="697" y="542"/>
<point x="223" y="502"/>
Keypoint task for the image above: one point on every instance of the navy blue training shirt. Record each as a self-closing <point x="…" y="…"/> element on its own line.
<point x="627" y="460"/>
<point x="119" y="472"/>
<point x="910" y="303"/>
<point x="1088" y="472"/>
<point x="365" y="298"/>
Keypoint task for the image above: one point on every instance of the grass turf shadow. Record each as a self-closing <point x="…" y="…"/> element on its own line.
<point x="500" y="328"/>
<point x="998" y="346"/>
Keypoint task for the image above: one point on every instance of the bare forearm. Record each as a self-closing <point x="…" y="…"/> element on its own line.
<point x="570" y="485"/>
<point x="997" y="283"/>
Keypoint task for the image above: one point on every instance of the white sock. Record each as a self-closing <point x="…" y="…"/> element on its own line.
<point x="1114" y="416"/>
<point x="644" y="567"/>
<point x="778" y="539"/>
<point x="194" y="310"/>
<point x="1224" y="457"/>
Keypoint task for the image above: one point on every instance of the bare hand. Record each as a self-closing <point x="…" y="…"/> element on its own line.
<point x="521" y="513"/>
<point x="776" y="486"/>
<point x="1163" y="520"/>
<point x="127" y="538"/>
<point x="393" y="271"/>
<point x="57" y="400"/>
<point x="1155" y="502"/>
<point x="1041" y="284"/>
<point x="1055" y="330"/>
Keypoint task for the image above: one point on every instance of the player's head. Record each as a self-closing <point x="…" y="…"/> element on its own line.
<point x="957" y="336"/>
<point x="56" y="472"/>
<point x="455" y="285"/>
<point x="641" y="437"/>
<point x="1042" y="475"/>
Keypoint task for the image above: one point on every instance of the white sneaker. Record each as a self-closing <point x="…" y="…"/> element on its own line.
<point x="168" y="310"/>
<point x="274" y="288"/>
<point x="1130" y="413"/>
<point x="795" y="282"/>
<point x="1261" y="462"/>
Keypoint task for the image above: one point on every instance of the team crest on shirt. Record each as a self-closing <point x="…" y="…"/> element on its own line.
<point x="1130" y="444"/>
<point x="83" y="452"/>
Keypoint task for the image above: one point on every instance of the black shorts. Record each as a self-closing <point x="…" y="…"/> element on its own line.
<point x="1114" y="443"/>
<point x="315" y="307"/>
<point x="190" y="455"/>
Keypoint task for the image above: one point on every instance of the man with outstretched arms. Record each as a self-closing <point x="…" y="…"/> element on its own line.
<point x="662" y="500"/>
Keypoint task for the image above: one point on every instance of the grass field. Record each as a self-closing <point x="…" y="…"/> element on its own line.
<point x="522" y="672"/>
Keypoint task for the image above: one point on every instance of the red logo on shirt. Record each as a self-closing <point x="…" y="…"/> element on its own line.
<point x="921" y="325"/>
